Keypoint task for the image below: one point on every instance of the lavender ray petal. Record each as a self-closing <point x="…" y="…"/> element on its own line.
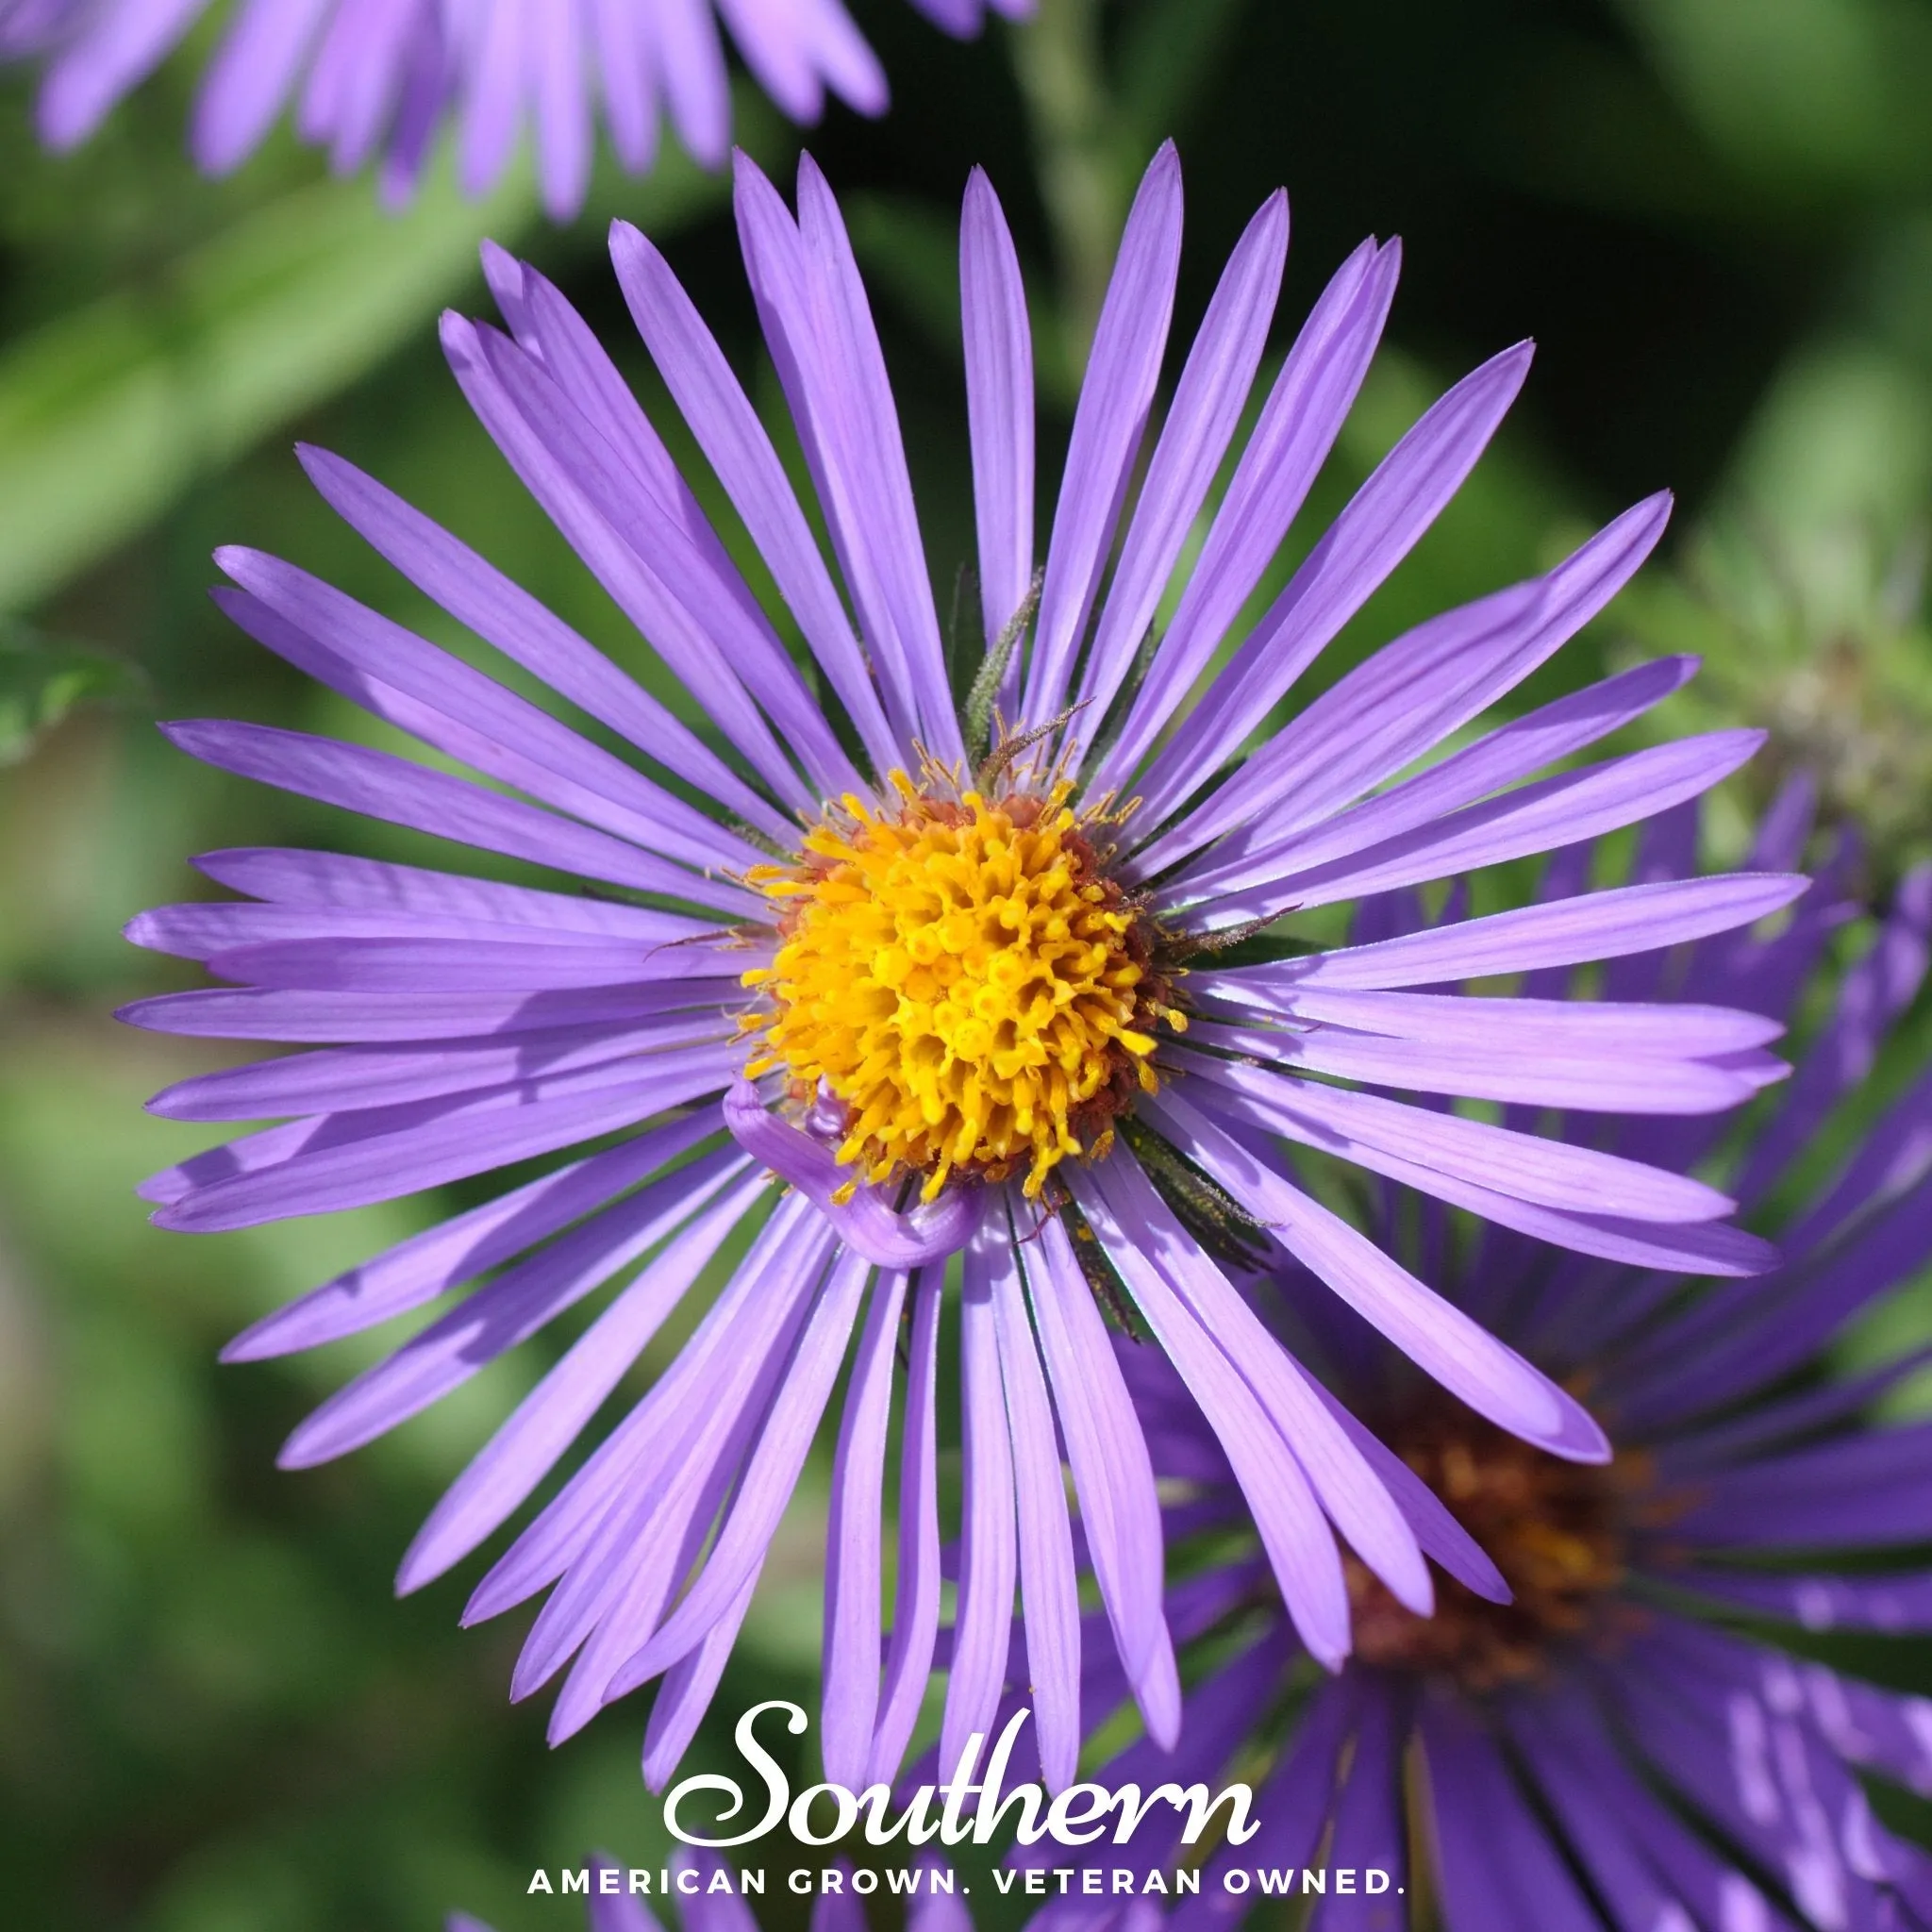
<point x="1049" y="1593"/>
<point x="1525" y="1073"/>
<point x="1298" y="425"/>
<point x="1123" y="369"/>
<point x="1292" y="1810"/>
<point x="429" y="1264"/>
<point x="1891" y="1605"/>
<point x="853" y="1640"/>
<point x="999" y="407"/>
<point x="509" y="618"/>
<point x="1584" y="804"/>
<point x="1469" y="1361"/>
<point x="523" y="1449"/>
<point x="1205" y="412"/>
<point x="250" y="80"/>
<point x="664" y="581"/>
<point x="1383" y="521"/>
<point x="687" y="1690"/>
<point x="1565" y="932"/>
<point x="782" y="288"/>
<point x="1416" y="691"/>
<point x="686" y="553"/>
<point x="1871" y="997"/>
<point x="1663" y="1028"/>
<point x="293" y="1017"/>
<point x="207" y="929"/>
<point x="283" y="875"/>
<point x="864" y="1223"/>
<point x="347" y="1079"/>
<point x="988" y="1538"/>
<point x="1113" y="1477"/>
<point x="1410" y="809"/>
<point x="737" y="445"/>
<point x="916" y="1600"/>
<point x="1147" y="1247"/>
<point x="355" y="1159"/>
<point x="349" y="965"/>
<point x="1497" y="1868"/>
<point x="870" y="467"/>
<point x="619" y="1582"/>
<point x="790" y="1245"/>
<point x="116" y="52"/>
<point x="1438" y="1533"/>
<point x="494" y="1320"/>
<point x="768" y="1478"/>
<point x="381" y="786"/>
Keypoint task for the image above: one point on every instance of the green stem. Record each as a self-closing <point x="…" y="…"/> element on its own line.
<point x="1057" y="60"/>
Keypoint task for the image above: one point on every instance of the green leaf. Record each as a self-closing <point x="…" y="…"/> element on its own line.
<point x="107" y="415"/>
<point x="41" y="681"/>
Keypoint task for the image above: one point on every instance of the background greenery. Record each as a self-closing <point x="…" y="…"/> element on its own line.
<point x="1716" y="218"/>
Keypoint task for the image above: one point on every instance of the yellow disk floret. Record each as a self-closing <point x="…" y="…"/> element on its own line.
<point x="963" y="978"/>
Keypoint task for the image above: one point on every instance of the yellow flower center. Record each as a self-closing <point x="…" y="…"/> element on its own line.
<point x="964" y="979"/>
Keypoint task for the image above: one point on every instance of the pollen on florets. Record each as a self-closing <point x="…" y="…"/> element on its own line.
<point x="1556" y="1530"/>
<point x="961" y="975"/>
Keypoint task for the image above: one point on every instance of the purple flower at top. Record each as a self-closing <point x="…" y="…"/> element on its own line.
<point x="380" y="77"/>
<point x="1600" y="1728"/>
<point x="949" y="956"/>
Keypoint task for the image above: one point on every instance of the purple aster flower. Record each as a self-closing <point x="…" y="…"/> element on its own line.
<point x="380" y="77"/>
<point x="1583" y="1735"/>
<point x="935" y="963"/>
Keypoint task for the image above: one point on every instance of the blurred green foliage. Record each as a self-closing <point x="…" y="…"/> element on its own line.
<point x="1717" y="218"/>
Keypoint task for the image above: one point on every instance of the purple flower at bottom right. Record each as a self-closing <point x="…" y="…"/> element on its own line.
<point x="1608" y="1729"/>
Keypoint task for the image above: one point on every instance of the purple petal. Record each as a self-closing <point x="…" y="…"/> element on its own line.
<point x="999" y="406"/>
<point x="1303" y="416"/>
<point x="1206" y="411"/>
<point x="1534" y="818"/>
<point x="347" y="1079"/>
<point x="382" y="785"/>
<point x="1120" y="1511"/>
<point x="1493" y="1379"/>
<point x="500" y="1477"/>
<point x="1146" y="1244"/>
<point x="481" y="597"/>
<point x="353" y="1160"/>
<point x="769" y="1476"/>
<point x="1118" y="392"/>
<point x="496" y="1318"/>
<point x="865" y="1223"/>
<point x="988" y="1538"/>
<point x="738" y="447"/>
<point x="916" y="1603"/>
<point x="850" y="1666"/>
<point x="418" y="1270"/>
<point x="1527" y="744"/>
<point x="1523" y="1073"/>
<point x="1415" y="692"/>
<point x="1498" y="1869"/>
<point x="1049" y="1593"/>
<point x="1359" y="1126"/>
<point x="294" y="1016"/>
<point x="1371" y="536"/>
<point x="1565" y="932"/>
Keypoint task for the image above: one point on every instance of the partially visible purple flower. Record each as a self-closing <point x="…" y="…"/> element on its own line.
<point x="915" y="955"/>
<point x="378" y="79"/>
<point x="1600" y="1729"/>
